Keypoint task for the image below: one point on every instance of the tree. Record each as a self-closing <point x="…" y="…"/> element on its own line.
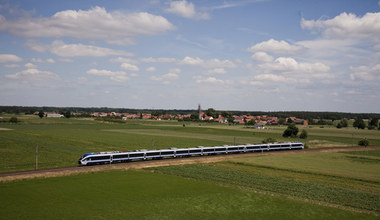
<point x="363" y="142"/>
<point x="194" y="116"/>
<point x="281" y="121"/>
<point x="13" y="120"/>
<point x="41" y="114"/>
<point x="322" y="122"/>
<point x="212" y="113"/>
<point x="344" y="122"/>
<point x="157" y="113"/>
<point x="303" y="134"/>
<point x="290" y="121"/>
<point x="251" y="122"/>
<point x="67" y="114"/>
<point x="359" y="123"/>
<point x="291" y="131"/>
<point x="373" y="123"/>
<point x="226" y="114"/>
<point x="230" y="120"/>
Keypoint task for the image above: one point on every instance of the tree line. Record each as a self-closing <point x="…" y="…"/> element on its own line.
<point x="280" y="114"/>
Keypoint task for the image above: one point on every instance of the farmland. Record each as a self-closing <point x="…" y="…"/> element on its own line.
<point x="333" y="179"/>
<point x="145" y="195"/>
<point x="62" y="141"/>
<point x="302" y="185"/>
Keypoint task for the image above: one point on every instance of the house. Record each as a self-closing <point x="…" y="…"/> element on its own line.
<point x="54" y="115"/>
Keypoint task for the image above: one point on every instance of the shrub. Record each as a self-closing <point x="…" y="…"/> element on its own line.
<point x="269" y="140"/>
<point x="303" y="134"/>
<point x="13" y="120"/>
<point x="363" y="142"/>
<point x="291" y="131"/>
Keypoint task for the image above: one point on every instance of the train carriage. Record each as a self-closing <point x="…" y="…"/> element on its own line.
<point x="117" y="156"/>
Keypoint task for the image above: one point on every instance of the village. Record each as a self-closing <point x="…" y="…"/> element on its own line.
<point x="259" y="121"/>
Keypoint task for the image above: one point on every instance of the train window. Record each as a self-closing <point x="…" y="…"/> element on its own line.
<point x="195" y="151"/>
<point x="182" y="152"/>
<point x="153" y="154"/>
<point x="208" y="150"/>
<point x="136" y="155"/>
<point x="233" y="148"/>
<point x="167" y="153"/>
<point x="100" y="158"/>
<point x="120" y="156"/>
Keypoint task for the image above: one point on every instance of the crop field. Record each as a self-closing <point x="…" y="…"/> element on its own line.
<point x="346" y="180"/>
<point x="145" y="195"/>
<point x="302" y="185"/>
<point x="62" y="141"/>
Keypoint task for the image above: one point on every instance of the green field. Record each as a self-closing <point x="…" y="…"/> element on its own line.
<point x="62" y="141"/>
<point x="333" y="179"/>
<point x="146" y="195"/>
<point x="305" y="185"/>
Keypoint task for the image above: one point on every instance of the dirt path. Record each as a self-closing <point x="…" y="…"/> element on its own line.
<point x="65" y="171"/>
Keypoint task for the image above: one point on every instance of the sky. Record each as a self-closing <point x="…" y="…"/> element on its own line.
<point x="249" y="55"/>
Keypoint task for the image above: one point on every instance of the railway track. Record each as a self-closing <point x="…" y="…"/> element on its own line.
<point x="64" y="171"/>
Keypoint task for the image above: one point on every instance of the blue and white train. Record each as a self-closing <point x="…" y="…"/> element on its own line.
<point x="117" y="156"/>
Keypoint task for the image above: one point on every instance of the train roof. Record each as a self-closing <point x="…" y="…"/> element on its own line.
<point x="179" y="149"/>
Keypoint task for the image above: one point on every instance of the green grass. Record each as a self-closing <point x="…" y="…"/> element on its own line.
<point x="331" y="178"/>
<point x="62" y="141"/>
<point x="146" y="195"/>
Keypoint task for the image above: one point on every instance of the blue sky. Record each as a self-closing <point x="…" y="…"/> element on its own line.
<point x="263" y="55"/>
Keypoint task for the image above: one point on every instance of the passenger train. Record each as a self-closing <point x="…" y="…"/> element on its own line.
<point x="118" y="156"/>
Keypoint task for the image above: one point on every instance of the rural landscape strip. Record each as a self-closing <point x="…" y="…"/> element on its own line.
<point x="65" y="171"/>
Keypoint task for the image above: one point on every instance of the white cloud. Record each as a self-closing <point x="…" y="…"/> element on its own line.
<point x="290" y="65"/>
<point x="30" y="66"/>
<point x="66" y="60"/>
<point x="173" y="74"/>
<point x="185" y="9"/>
<point x="115" y="76"/>
<point x="211" y="80"/>
<point x="39" y="60"/>
<point x="274" y="46"/>
<point x="123" y="60"/>
<point x="158" y="60"/>
<point x="271" y="77"/>
<point x="347" y="26"/>
<point x="216" y="71"/>
<point x="59" y="48"/>
<point x="262" y="57"/>
<point x="5" y="58"/>
<point x="11" y="66"/>
<point x="213" y="63"/>
<point x="33" y="74"/>
<point x="130" y="67"/>
<point x="151" y="69"/>
<point x="93" y="24"/>
<point x="365" y="73"/>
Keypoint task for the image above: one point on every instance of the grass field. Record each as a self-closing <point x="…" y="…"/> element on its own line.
<point x="340" y="185"/>
<point x="146" y="195"/>
<point x="333" y="179"/>
<point x="62" y="141"/>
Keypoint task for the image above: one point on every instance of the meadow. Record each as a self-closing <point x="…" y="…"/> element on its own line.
<point x="140" y="194"/>
<point x="331" y="179"/>
<point x="302" y="185"/>
<point x="62" y="141"/>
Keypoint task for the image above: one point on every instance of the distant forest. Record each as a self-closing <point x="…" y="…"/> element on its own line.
<point x="279" y="114"/>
